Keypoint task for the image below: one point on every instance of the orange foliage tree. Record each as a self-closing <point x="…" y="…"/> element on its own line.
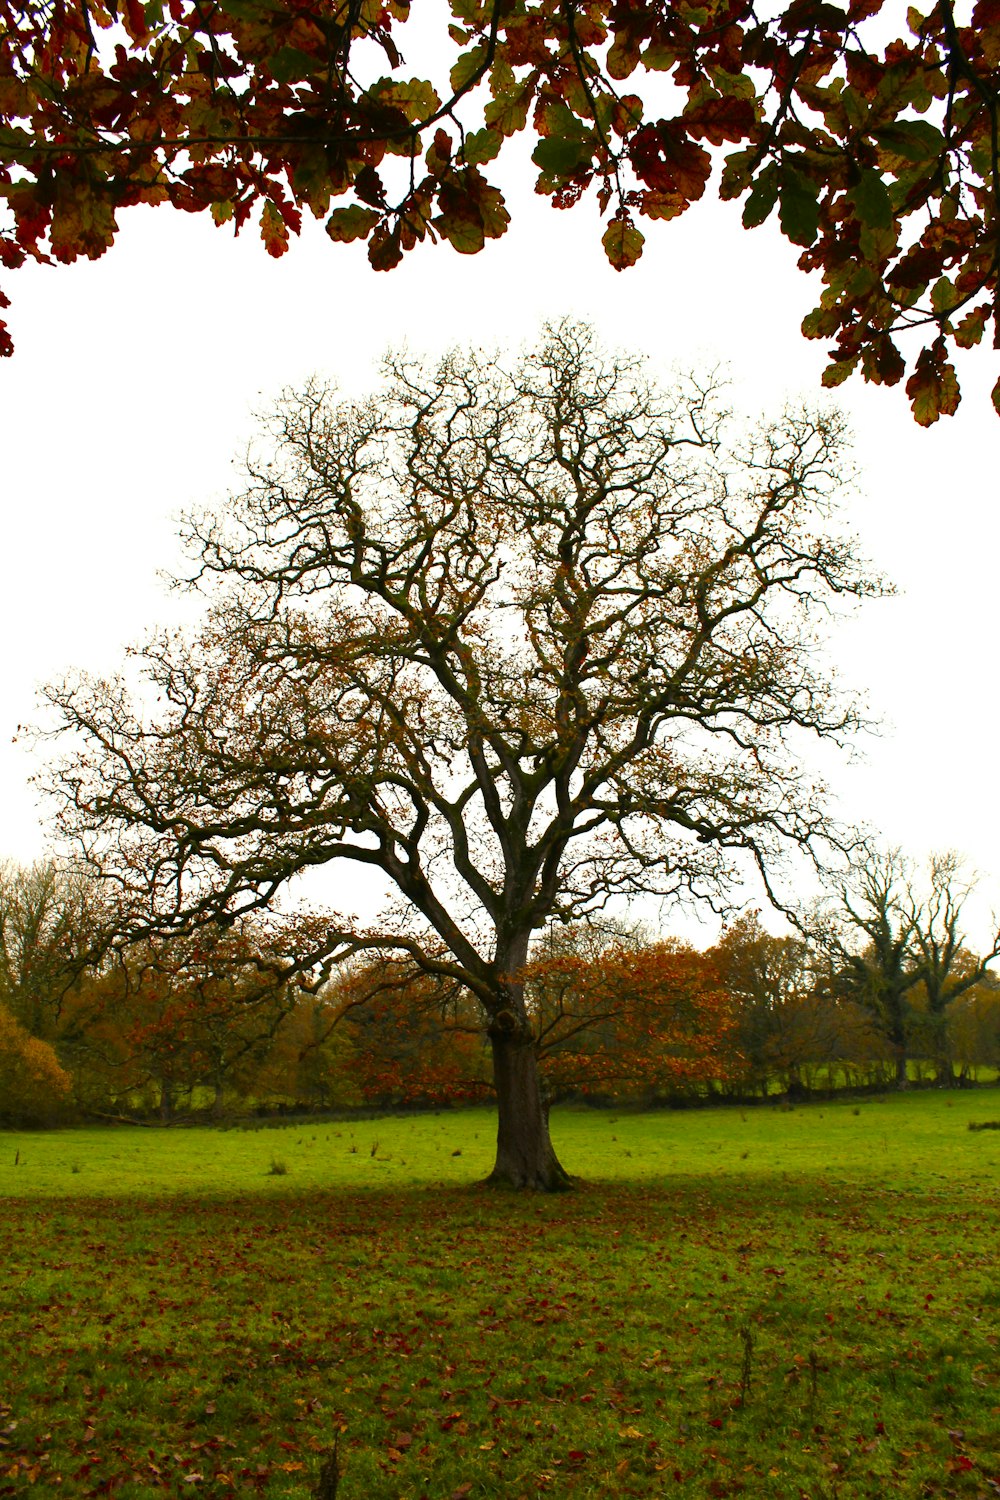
<point x="647" y="1018"/>
<point x="415" y="1040"/>
<point x="179" y="1015"/>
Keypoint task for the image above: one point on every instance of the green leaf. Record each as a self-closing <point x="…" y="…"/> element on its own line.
<point x="471" y="211"/>
<point x="913" y="140"/>
<point x="855" y="108"/>
<point x="509" y="112"/>
<point x="623" y="55"/>
<point x="821" y="323"/>
<point x="838" y="372"/>
<point x="933" y="386"/>
<point x="354" y="223"/>
<point x="414" y="97"/>
<point x="799" y="207"/>
<point x="249" y="10"/>
<point x="563" y="156"/>
<point x="462" y="226"/>
<point x="762" y="198"/>
<point x="736" y="84"/>
<point x="469" y="63"/>
<point x="943" y="295"/>
<point x="734" y="180"/>
<point x="871" y="201"/>
<point x="494" y="212"/>
<point x="972" y="327"/>
<point x="877" y="244"/>
<point x="659" y="58"/>
<point x="481" y="146"/>
<point x="289" y="63"/>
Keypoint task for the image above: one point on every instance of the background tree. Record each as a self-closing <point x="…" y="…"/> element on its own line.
<point x="628" y="1017"/>
<point x="523" y="639"/>
<point x="947" y="968"/>
<point x="871" y="948"/>
<point x="49" y="922"/>
<point x="974" y="1029"/>
<point x="902" y="957"/>
<point x="187" y="1013"/>
<point x="312" y="1062"/>
<point x="791" y="1030"/>
<point x="871" y="128"/>
<point x="34" y="1088"/>
<point x="415" y="1039"/>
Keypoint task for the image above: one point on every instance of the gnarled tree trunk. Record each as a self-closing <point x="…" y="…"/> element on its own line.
<point x="525" y="1156"/>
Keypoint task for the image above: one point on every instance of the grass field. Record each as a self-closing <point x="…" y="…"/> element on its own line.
<point x="776" y="1303"/>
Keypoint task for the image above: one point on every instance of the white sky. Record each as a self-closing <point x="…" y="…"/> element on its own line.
<point x="134" y="380"/>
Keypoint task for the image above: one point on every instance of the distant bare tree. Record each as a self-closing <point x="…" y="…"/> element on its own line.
<point x="891" y="947"/>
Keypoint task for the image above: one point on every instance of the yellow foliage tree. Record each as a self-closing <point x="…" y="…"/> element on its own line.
<point x="33" y="1085"/>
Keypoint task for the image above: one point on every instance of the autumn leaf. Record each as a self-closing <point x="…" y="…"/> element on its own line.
<point x="470" y="211"/>
<point x="385" y="248"/>
<point x="721" y="119"/>
<point x="622" y="243"/>
<point x="273" y="230"/>
<point x="933" y="388"/>
<point x="971" y="328"/>
<point x="353" y="223"/>
<point x="666" y="160"/>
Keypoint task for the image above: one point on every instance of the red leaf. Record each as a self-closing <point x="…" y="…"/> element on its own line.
<point x="722" y="119"/>
<point x="666" y="159"/>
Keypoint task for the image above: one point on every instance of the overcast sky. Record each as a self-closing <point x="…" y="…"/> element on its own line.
<point x="135" y="378"/>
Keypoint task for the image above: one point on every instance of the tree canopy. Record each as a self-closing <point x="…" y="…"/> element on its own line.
<point x="870" y="129"/>
<point x="522" y="638"/>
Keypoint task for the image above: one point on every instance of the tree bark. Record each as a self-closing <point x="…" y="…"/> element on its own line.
<point x="525" y="1156"/>
<point x="902" y="1072"/>
<point x="166" y="1100"/>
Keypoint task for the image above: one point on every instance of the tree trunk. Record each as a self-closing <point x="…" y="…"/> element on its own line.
<point x="525" y="1158"/>
<point x="166" y="1100"/>
<point x="902" y="1072"/>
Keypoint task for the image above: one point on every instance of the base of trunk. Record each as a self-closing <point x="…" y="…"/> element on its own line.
<point x="552" y="1179"/>
<point x="525" y="1156"/>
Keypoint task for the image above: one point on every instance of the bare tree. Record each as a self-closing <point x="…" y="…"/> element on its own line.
<point x="49" y="924"/>
<point x="947" y="967"/>
<point x="891" y="947"/>
<point x="523" y="638"/>
<point x="869" y="940"/>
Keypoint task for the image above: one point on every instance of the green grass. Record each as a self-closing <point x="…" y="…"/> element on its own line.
<point x="775" y="1304"/>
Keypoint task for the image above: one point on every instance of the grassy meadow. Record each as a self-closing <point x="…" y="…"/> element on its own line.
<point x="781" y="1303"/>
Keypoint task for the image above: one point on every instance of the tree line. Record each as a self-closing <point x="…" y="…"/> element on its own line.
<point x="880" y="990"/>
